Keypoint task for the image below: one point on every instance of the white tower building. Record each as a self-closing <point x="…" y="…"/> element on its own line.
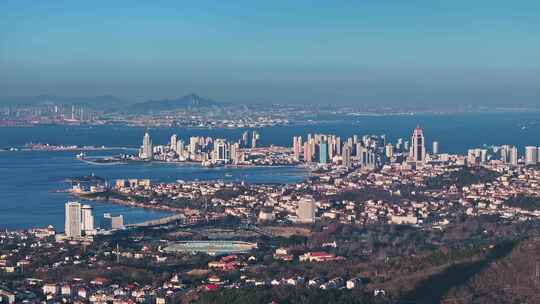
<point x="531" y="155"/>
<point x="435" y="147"/>
<point x="147" y="148"/>
<point x="87" y="219"/>
<point x="173" y="142"/>
<point x="73" y="220"/>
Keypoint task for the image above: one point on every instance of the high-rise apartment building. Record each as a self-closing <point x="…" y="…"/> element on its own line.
<point x="254" y="138"/>
<point x="389" y="151"/>
<point x="73" y="227"/>
<point x="531" y="155"/>
<point x="435" y="149"/>
<point x="297" y="147"/>
<point x="235" y="153"/>
<point x="346" y="156"/>
<point x="307" y="152"/>
<point x="147" y="150"/>
<point x="87" y="219"/>
<point x="323" y="153"/>
<point x="221" y="151"/>
<point x="514" y="156"/>
<point x="174" y="140"/>
<point x="180" y="147"/>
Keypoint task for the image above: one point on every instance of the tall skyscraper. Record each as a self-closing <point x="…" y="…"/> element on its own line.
<point x="323" y="153"/>
<point x="389" y="151"/>
<point x="331" y="143"/>
<point x="235" y="154"/>
<point x="505" y="153"/>
<point x="193" y="143"/>
<point x="180" y="147"/>
<point x="399" y="144"/>
<point x="254" y="139"/>
<point x="346" y="156"/>
<point x="173" y="142"/>
<point x="306" y="210"/>
<point x="244" y="142"/>
<point x="147" y="151"/>
<point x="221" y="151"/>
<point x="73" y="220"/>
<point x="417" y="152"/>
<point x="307" y="152"/>
<point x="531" y="155"/>
<point x="435" y="147"/>
<point x="367" y="157"/>
<point x="514" y="156"/>
<point x="87" y="219"/>
<point x="297" y="147"/>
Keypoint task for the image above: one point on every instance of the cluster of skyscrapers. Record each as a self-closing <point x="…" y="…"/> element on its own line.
<point x="507" y="154"/>
<point x="369" y="151"/>
<point x="323" y="149"/>
<point x="199" y="149"/>
<point x="79" y="221"/>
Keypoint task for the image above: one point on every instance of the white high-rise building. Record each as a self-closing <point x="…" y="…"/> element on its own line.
<point x="180" y="147"/>
<point x="531" y="155"/>
<point x="147" y="150"/>
<point x="193" y="143"/>
<point x="435" y="147"/>
<point x="221" y="150"/>
<point x="306" y="210"/>
<point x="87" y="219"/>
<point x="174" y="140"/>
<point x="73" y="220"/>
<point x="417" y="152"/>
<point x="235" y="153"/>
<point x="254" y="139"/>
<point x="514" y="156"/>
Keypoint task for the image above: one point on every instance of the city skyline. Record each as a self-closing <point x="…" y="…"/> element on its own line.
<point x="215" y="152"/>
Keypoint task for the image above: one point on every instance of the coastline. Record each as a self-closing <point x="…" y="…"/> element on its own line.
<point x="193" y="163"/>
<point x="124" y="202"/>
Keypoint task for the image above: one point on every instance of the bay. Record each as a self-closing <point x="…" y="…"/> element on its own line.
<point x="30" y="179"/>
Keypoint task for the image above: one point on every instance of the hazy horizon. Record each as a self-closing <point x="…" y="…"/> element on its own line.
<point x="351" y="53"/>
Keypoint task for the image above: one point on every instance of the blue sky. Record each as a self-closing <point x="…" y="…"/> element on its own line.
<point x="357" y="52"/>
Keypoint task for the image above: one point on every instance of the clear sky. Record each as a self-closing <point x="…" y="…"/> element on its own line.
<point x="357" y="52"/>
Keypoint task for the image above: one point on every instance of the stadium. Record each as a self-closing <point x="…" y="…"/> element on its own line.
<point x="211" y="247"/>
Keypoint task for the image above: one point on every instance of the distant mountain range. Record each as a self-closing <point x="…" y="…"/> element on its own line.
<point x="188" y="101"/>
<point x="112" y="103"/>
